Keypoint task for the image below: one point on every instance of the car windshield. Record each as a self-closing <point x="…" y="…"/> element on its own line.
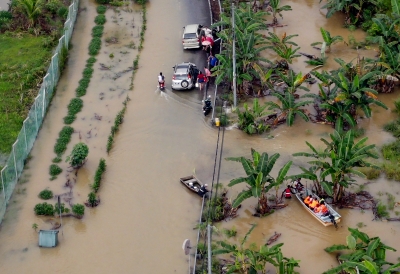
<point x="180" y="76"/>
<point x="189" y="36"/>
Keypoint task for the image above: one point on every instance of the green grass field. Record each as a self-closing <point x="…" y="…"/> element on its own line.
<point x="23" y="64"/>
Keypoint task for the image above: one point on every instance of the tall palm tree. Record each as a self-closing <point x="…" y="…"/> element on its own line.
<point x="258" y="180"/>
<point x="32" y="9"/>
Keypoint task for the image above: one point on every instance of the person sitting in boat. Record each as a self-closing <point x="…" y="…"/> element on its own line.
<point x="203" y="190"/>
<point x="287" y="193"/>
<point x="308" y="200"/>
<point x="321" y="210"/>
<point x="314" y="204"/>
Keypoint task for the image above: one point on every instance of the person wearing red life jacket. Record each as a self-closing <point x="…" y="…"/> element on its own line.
<point x="287" y="193"/>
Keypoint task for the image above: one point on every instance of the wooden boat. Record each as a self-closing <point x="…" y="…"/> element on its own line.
<point x="325" y="220"/>
<point x="193" y="184"/>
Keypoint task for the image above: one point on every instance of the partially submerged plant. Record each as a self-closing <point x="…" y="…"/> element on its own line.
<point x="77" y="158"/>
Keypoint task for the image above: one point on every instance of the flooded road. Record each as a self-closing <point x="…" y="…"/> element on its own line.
<point x="145" y="214"/>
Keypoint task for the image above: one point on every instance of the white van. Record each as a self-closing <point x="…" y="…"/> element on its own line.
<point x="191" y="36"/>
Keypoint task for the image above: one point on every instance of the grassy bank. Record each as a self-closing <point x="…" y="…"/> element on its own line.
<point x="24" y="60"/>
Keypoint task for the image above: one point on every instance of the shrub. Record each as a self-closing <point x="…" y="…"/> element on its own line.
<point x="61" y="209"/>
<point x="371" y="173"/>
<point x="101" y="9"/>
<point x="118" y="121"/>
<point x="78" y="155"/>
<point x="97" y="31"/>
<point x="57" y="159"/>
<point x="87" y="73"/>
<point x="62" y="12"/>
<point x="69" y="119"/>
<point x="392" y="170"/>
<point x="75" y="106"/>
<point x="391" y="151"/>
<point x="84" y="83"/>
<point x="44" y="209"/>
<point x="52" y="6"/>
<point x="381" y="211"/>
<point x="80" y="91"/>
<point x="141" y="2"/>
<point x="78" y="210"/>
<point x="99" y="172"/>
<point x="100" y="19"/>
<point x="63" y="139"/>
<point x="55" y="170"/>
<point x="46" y="194"/>
<point x="91" y="60"/>
<point x="92" y="200"/>
<point x="94" y="46"/>
<point x="103" y="2"/>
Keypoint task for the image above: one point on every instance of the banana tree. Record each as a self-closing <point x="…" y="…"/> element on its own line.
<point x="284" y="47"/>
<point x="253" y="261"/>
<point x="328" y="39"/>
<point x="292" y="80"/>
<point x="363" y="254"/>
<point x="338" y="162"/>
<point x="387" y="30"/>
<point x="288" y="108"/>
<point x="338" y="114"/>
<point x="276" y="9"/>
<point x="258" y="180"/>
<point x="390" y="59"/>
<point x="356" y="92"/>
<point x="248" y="118"/>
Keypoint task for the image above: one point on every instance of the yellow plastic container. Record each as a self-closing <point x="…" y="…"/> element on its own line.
<point x="217" y="122"/>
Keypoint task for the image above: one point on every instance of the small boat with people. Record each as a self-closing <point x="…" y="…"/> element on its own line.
<point x="195" y="185"/>
<point x="328" y="219"/>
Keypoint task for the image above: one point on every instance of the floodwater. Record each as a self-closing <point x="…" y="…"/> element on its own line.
<point x="145" y="214"/>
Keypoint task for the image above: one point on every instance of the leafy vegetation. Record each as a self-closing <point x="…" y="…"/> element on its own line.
<point x="252" y="260"/>
<point x="54" y="170"/>
<point x="77" y="158"/>
<point x="99" y="172"/>
<point x="117" y="122"/>
<point x="46" y="194"/>
<point x="78" y="210"/>
<point x="44" y="209"/>
<point x="259" y="180"/>
<point x="74" y="107"/>
<point x="363" y="255"/>
<point x="331" y="169"/>
<point x="249" y="118"/>
<point x="64" y="137"/>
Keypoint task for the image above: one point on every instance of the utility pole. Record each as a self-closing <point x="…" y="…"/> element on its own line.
<point x="234" y="55"/>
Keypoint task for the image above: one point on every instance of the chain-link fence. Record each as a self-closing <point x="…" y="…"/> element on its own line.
<point x="30" y="128"/>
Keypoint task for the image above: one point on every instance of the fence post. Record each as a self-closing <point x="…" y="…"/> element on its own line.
<point x="23" y="127"/>
<point x="15" y="163"/>
<point x="52" y="70"/>
<point x="44" y="98"/>
<point x="37" y="126"/>
<point x="2" y="182"/>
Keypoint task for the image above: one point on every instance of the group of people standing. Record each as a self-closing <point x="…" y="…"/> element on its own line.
<point x="207" y="40"/>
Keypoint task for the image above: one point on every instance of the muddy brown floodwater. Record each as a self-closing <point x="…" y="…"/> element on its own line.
<point x="145" y="214"/>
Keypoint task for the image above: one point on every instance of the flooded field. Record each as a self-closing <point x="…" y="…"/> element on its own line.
<point x="145" y="214"/>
